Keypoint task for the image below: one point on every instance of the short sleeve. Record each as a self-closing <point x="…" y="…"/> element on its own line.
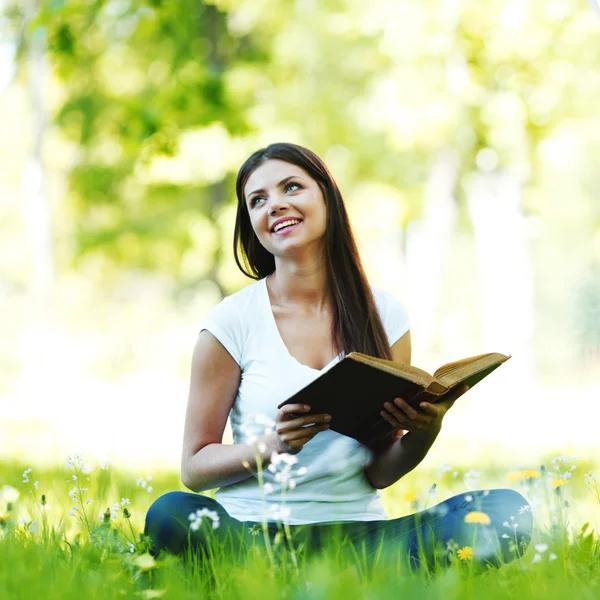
<point x="394" y="315"/>
<point x="224" y="322"/>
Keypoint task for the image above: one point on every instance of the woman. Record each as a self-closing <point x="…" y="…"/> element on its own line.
<point x="310" y="305"/>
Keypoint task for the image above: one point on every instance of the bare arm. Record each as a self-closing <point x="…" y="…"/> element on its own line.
<point x="207" y="463"/>
<point x="402" y="455"/>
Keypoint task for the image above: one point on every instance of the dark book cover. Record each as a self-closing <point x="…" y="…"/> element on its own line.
<point x="354" y="393"/>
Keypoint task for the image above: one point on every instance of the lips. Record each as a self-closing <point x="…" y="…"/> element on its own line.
<point x="283" y="220"/>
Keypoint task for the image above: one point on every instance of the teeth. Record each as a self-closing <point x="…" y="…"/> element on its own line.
<point x="285" y="224"/>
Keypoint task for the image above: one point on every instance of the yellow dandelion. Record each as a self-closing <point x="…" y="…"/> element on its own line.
<point x="531" y="474"/>
<point x="410" y="496"/>
<point x="515" y="476"/>
<point x="477" y="517"/>
<point x="145" y="562"/>
<point x="556" y="483"/>
<point x="465" y="553"/>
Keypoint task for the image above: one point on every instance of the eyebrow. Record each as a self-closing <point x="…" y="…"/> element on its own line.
<point x="284" y="180"/>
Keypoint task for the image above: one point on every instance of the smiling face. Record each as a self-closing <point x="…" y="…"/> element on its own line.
<point x="286" y="207"/>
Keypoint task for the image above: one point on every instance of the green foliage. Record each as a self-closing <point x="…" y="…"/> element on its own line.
<point x="377" y="89"/>
<point x="69" y="556"/>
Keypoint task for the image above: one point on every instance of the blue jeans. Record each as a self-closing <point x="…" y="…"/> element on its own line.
<point x="421" y="539"/>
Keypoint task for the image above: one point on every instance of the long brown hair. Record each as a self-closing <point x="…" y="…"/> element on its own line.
<point x="357" y="326"/>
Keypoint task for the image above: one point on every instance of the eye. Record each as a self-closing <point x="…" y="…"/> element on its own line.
<point x="257" y="198"/>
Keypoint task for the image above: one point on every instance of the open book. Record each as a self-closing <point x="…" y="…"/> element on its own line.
<point x="354" y="390"/>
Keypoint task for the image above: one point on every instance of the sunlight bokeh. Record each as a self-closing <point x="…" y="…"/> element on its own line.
<point x="465" y="138"/>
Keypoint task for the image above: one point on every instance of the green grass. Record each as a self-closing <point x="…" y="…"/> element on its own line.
<point x="48" y="549"/>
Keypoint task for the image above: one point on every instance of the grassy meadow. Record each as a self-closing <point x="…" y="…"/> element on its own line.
<point x="75" y="530"/>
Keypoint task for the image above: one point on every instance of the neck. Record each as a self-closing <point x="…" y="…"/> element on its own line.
<point x="300" y="283"/>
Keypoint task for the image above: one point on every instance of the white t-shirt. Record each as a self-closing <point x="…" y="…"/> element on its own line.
<point x="334" y="486"/>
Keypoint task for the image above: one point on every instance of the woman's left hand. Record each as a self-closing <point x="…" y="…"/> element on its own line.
<point x="426" y="421"/>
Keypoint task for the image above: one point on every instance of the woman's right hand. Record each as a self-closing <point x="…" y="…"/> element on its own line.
<point x="290" y="435"/>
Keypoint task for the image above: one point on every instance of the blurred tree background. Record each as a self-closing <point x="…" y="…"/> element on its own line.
<point x="464" y="136"/>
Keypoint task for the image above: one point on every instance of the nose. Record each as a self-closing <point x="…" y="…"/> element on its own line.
<point x="277" y="205"/>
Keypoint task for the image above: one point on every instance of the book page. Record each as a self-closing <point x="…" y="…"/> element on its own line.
<point x="409" y="372"/>
<point x="450" y="373"/>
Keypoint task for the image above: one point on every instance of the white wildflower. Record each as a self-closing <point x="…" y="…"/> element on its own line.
<point x="8" y="494"/>
<point x="268" y="488"/>
<point x="143" y="483"/>
<point x="441" y="469"/>
<point x="280" y="513"/>
<point x="25" y="475"/>
<point x="289" y="459"/>
<point x="541" y="548"/>
<point x="470" y="478"/>
<point x="74" y="462"/>
<point x="125" y="501"/>
<point x="87" y="468"/>
<point x="537" y="558"/>
<point x="282" y="476"/>
<point x="552" y="556"/>
<point x="196" y="518"/>
<point x="33" y="527"/>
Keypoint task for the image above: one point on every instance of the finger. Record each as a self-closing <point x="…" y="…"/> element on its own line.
<point x="300" y="432"/>
<point x="298" y="442"/>
<point x="460" y="390"/>
<point x="412" y="414"/>
<point x="404" y="424"/>
<point x="393" y="420"/>
<point x="449" y="398"/>
<point x="430" y="409"/>
<point x="292" y="408"/>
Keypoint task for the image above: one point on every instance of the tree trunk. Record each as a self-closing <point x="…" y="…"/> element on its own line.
<point x="428" y="244"/>
<point x="36" y="212"/>
<point x="505" y="273"/>
<point x="37" y="218"/>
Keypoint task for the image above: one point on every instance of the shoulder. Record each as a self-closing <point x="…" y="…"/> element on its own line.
<point x="387" y="301"/>
<point x="230" y="322"/>
<point x="239" y="302"/>
<point x="393" y="313"/>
